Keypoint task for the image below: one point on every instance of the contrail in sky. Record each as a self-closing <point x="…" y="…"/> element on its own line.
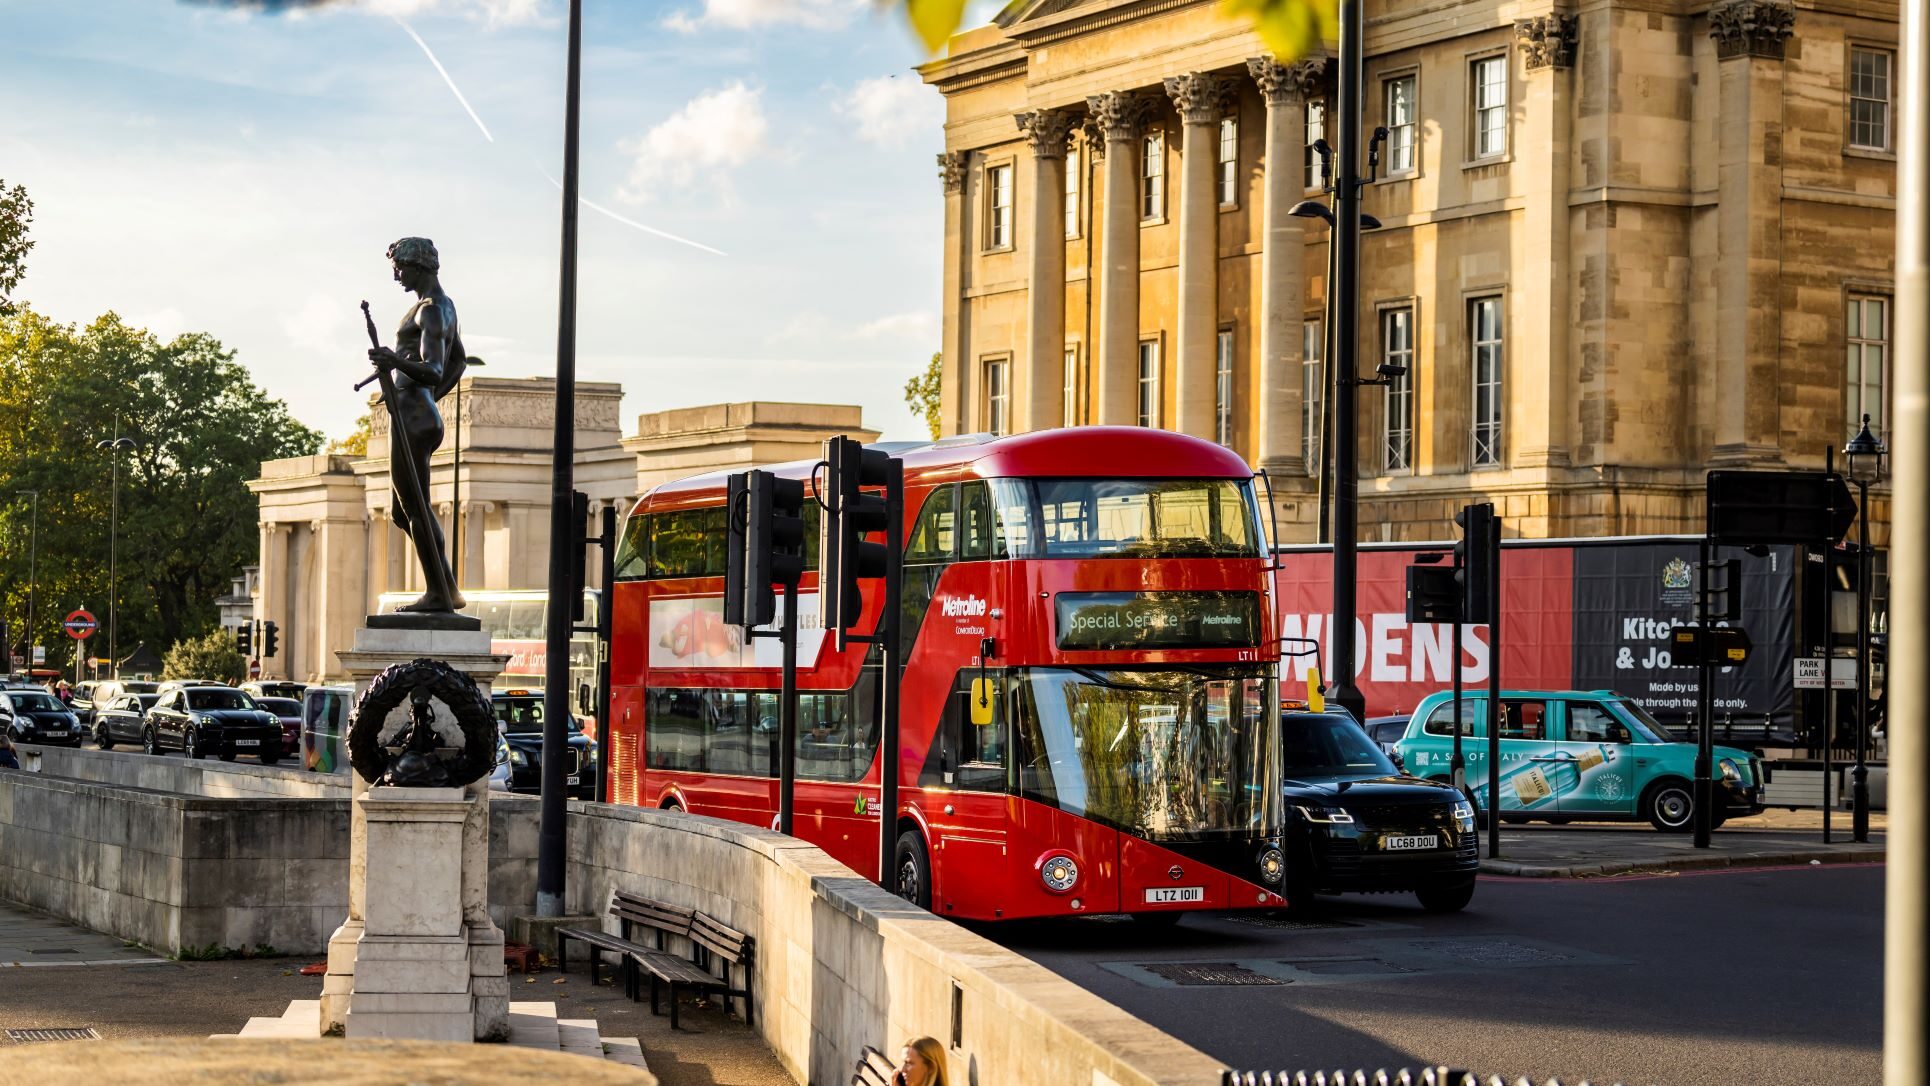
<point x="453" y="89"/>
<point x="593" y="206"/>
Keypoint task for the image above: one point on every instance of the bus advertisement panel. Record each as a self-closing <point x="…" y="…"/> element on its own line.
<point x="1089" y="714"/>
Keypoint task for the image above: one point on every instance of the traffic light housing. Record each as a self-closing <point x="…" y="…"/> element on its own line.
<point x="245" y="639"/>
<point x="270" y="638"/>
<point x="765" y="515"/>
<point x="1433" y="593"/>
<point x="853" y="511"/>
<point x="579" y="544"/>
<point x="1474" y="561"/>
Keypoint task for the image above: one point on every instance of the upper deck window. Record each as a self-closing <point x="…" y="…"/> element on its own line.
<point x="688" y="543"/>
<point x="1128" y="518"/>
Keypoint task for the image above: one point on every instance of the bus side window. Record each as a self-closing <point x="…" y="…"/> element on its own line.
<point x="933" y="536"/>
<point x="975" y="508"/>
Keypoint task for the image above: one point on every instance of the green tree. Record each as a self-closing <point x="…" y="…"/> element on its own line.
<point x="187" y="524"/>
<point x="357" y="441"/>
<point x="1289" y="27"/>
<point x="210" y="656"/>
<point x="16" y="211"/>
<point x="921" y="393"/>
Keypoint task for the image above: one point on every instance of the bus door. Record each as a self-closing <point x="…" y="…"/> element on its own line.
<point x="964" y="782"/>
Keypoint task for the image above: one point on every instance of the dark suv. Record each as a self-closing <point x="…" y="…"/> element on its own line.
<point x="1355" y="822"/>
<point x="519" y="717"/>
<point x="204" y="720"/>
<point x="35" y="716"/>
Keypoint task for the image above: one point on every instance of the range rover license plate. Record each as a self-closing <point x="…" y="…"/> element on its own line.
<point x="1171" y="895"/>
<point x="247" y="742"/>
<point x="1424" y="841"/>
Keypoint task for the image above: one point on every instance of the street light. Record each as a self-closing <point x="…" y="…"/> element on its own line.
<point x="1865" y="456"/>
<point x="113" y="447"/>
<point x="33" y="580"/>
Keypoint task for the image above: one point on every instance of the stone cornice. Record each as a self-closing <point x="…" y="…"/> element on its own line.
<point x="1548" y="41"/>
<point x="1751" y="28"/>
<point x="1086" y="18"/>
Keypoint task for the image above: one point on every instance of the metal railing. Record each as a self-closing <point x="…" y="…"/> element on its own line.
<point x="1426" y="1076"/>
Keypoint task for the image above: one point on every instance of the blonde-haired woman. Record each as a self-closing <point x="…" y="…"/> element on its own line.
<point x="922" y="1063"/>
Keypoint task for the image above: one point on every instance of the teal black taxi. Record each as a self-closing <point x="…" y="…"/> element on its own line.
<point x="1578" y="756"/>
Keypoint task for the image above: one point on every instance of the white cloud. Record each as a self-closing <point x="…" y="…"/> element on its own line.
<point x="166" y="322"/>
<point x="921" y="326"/>
<point x="324" y="326"/>
<point x="708" y="136"/>
<point x="753" y="14"/>
<point x="890" y="110"/>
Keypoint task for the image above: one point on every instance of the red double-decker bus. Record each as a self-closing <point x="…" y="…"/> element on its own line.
<point x="1089" y="705"/>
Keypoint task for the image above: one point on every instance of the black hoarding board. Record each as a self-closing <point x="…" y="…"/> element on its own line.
<point x="1158" y="620"/>
<point x="1630" y="598"/>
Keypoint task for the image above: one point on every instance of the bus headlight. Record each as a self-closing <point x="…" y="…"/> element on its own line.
<point x="1729" y="770"/>
<point x="1273" y="864"/>
<point x="1059" y="873"/>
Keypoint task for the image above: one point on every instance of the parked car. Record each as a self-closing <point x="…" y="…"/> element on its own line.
<point x="119" y="719"/>
<point x="289" y="711"/>
<point x="203" y="719"/>
<point x="1386" y="731"/>
<point x="1570" y="754"/>
<point x="274" y="688"/>
<point x="519" y="719"/>
<point x="85" y="703"/>
<point x="32" y="715"/>
<point x="1356" y="823"/>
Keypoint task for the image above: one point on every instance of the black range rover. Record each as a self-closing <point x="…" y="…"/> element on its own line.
<point x="1356" y="823"/>
<point x="519" y="717"/>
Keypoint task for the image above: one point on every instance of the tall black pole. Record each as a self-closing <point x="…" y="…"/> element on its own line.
<point x="1327" y="335"/>
<point x="893" y="657"/>
<point x="1458" y="763"/>
<point x="1346" y="293"/>
<point x="550" y="837"/>
<point x="113" y="550"/>
<point x="1493" y="559"/>
<point x="1860" y="776"/>
<point x="604" y="605"/>
<point x="33" y="583"/>
<point x="1829" y="653"/>
<point x="787" y="715"/>
<point x="1705" y="733"/>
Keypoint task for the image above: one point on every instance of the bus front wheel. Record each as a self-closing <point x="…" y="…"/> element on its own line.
<point x="913" y="881"/>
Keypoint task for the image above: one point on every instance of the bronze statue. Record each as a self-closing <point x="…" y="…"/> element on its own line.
<point x="426" y="362"/>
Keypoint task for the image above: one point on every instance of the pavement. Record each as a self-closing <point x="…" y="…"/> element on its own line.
<point x="127" y="994"/>
<point x="1773" y="838"/>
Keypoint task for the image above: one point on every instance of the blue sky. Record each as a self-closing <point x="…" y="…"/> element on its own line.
<point x="198" y="168"/>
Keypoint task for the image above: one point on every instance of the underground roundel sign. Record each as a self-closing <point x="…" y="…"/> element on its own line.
<point x="80" y="625"/>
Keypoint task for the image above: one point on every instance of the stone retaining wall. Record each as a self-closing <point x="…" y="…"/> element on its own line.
<point x="842" y="964"/>
<point x="176" y="773"/>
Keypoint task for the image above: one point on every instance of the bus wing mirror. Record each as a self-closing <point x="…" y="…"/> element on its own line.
<point x="981" y="702"/>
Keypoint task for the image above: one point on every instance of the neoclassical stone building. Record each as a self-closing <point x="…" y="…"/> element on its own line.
<point x="1619" y="243"/>
<point x="329" y="549"/>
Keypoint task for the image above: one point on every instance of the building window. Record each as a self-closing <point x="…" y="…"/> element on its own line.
<point x="1229" y="161"/>
<point x="1870" y="100"/>
<point x="1072" y="192"/>
<point x="1149" y="382"/>
<point x="1069" y="407"/>
<point x="1223" y="388"/>
<point x="1316" y="130"/>
<point x="998" y="194"/>
<point x="1397" y="421"/>
<point x="998" y="396"/>
<point x="1400" y="124"/>
<point x="1152" y="177"/>
<point x="1313" y="387"/>
<point x="1484" y="323"/>
<point x="1869" y="349"/>
<point x="1489" y="76"/>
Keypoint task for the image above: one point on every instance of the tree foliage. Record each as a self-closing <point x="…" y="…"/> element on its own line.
<point x="921" y="393"/>
<point x="1290" y="28"/>
<point x="187" y="522"/>
<point x="210" y="656"/>
<point x="16" y="212"/>
<point x="357" y="441"/>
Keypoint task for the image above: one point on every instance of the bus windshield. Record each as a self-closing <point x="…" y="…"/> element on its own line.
<point x="1127" y="518"/>
<point x="1168" y="754"/>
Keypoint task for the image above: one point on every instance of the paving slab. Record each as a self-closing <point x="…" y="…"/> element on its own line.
<point x="1582" y="851"/>
<point x="30" y="939"/>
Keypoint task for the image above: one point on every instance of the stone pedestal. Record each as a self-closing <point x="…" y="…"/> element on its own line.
<point x="398" y="847"/>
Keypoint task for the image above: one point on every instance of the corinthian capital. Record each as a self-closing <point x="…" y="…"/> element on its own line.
<point x="1046" y="130"/>
<point x="951" y="168"/>
<point x="1117" y="115"/>
<point x="1548" y="41"/>
<point x="1200" y="97"/>
<point x="1751" y="28"/>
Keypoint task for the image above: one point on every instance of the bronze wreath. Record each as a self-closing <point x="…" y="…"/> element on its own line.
<point x="451" y="687"/>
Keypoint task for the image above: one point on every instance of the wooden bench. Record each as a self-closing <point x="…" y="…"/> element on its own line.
<point x="712" y="945"/>
<point x="874" y="1069"/>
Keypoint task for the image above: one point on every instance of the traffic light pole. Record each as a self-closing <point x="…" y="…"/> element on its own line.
<point x="889" y="619"/>
<point x="1705" y="704"/>
<point x="603" y="625"/>
<point x="787" y="715"/>
<point x="1493" y="559"/>
<point x="1458" y="764"/>
<point x="1346" y="294"/>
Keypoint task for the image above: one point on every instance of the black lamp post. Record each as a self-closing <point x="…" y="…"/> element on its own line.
<point x="1865" y="456"/>
<point x="33" y="578"/>
<point x="113" y="447"/>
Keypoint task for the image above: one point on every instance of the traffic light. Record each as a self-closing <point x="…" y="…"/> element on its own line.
<point x="245" y="639"/>
<point x="1474" y="561"/>
<point x="766" y="541"/>
<point x="1433" y="593"/>
<point x="844" y="554"/>
<point x="270" y="638"/>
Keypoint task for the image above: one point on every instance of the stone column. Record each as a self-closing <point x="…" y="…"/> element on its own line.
<point x="1537" y="398"/>
<point x="1282" y="262"/>
<point x="274" y="590"/>
<point x="1045" y="234"/>
<point x="1200" y="98"/>
<point x="474" y="517"/>
<point x="1749" y="36"/>
<point x="955" y="372"/>
<point x="380" y="531"/>
<point x="1117" y="116"/>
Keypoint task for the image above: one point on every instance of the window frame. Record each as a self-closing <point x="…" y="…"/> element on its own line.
<point x="1226" y="168"/>
<point x="1069" y="390"/>
<point x="1497" y="452"/>
<point x="1074" y="186"/>
<point x="993" y="241"/>
<point x="1147" y="408"/>
<point x="1314" y="120"/>
<point x="1850" y="99"/>
<point x="1402" y="387"/>
<point x="1313" y="388"/>
<point x="1860" y="295"/>
<point x="1225" y="345"/>
<point x="1475" y="155"/>
<point x="1410" y="74"/>
<point x="1152" y="186"/>
<point x="1002" y="397"/>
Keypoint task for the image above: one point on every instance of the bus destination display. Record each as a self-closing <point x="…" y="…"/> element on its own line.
<point x="1158" y="620"/>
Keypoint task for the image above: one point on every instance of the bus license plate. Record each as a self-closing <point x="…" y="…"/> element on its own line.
<point x="1168" y="895"/>
<point x="573" y="781"/>
<point x="247" y="742"/>
<point x="1424" y="841"/>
